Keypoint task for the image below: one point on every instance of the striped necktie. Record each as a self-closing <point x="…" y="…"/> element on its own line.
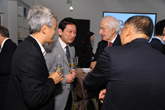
<point x="67" y="53"/>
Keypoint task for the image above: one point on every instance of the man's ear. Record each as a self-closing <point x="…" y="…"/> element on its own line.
<point x="60" y="31"/>
<point x="44" y="29"/>
<point x="128" y="32"/>
<point x="113" y="30"/>
<point x="164" y="31"/>
<point x="125" y="35"/>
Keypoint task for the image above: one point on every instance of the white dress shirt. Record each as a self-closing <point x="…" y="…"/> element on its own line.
<point x="62" y="44"/>
<point x="42" y="48"/>
<point x="113" y="40"/>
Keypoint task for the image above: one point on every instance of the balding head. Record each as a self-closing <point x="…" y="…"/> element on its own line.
<point x="137" y="27"/>
<point x="141" y="24"/>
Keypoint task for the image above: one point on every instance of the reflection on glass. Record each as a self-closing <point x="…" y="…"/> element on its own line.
<point x="73" y="62"/>
<point x="59" y="62"/>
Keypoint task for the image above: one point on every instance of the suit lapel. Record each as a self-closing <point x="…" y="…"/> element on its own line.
<point x="117" y="41"/>
<point x="4" y="46"/>
<point x="34" y="42"/>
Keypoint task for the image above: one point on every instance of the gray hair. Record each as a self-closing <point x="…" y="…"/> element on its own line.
<point x="113" y="23"/>
<point x="38" y="16"/>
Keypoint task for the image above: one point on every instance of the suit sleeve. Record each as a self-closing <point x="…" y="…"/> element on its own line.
<point x="33" y="77"/>
<point x="156" y="44"/>
<point x="6" y="57"/>
<point x="101" y="46"/>
<point x="99" y="77"/>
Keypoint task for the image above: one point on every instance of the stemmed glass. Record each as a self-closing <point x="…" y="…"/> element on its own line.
<point x="59" y="62"/>
<point x="73" y="62"/>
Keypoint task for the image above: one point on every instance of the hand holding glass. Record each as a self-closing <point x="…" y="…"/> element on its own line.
<point x="73" y="62"/>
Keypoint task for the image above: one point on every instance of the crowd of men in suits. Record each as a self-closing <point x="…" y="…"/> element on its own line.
<point x="126" y="70"/>
<point x="132" y="74"/>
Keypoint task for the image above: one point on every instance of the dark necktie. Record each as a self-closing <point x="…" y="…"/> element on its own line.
<point x="110" y="44"/>
<point x="68" y="57"/>
<point x="67" y="53"/>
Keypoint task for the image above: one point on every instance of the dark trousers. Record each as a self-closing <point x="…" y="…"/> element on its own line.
<point x="69" y="102"/>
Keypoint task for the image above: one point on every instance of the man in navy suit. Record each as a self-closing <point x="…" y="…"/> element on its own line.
<point x="109" y="29"/>
<point x="157" y="41"/>
<point x="133" y="73"/>
<point x="7" y="48"/>
<point x="30" y="85"/>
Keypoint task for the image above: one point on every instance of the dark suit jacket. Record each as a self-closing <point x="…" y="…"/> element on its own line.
<point x="102" y="44"/>
<point x="5" y="63"/>
<point x="29" y="86"/>
<point x="133" y="75"/>
<point x="157" y="44"/>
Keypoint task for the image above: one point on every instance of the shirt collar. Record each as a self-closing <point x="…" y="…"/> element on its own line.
<point x="2" y="44"/>
<point x="42" y="48"/>
<point x="159" y="39"/>
<point x="62" y="43"/>
<point x="113" y="40"/>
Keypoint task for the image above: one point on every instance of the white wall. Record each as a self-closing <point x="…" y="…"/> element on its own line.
<point x="3" y="12"/>
<point x="4" y="9"/>
<point x="93" y="10"/>
<point x="29" y="2"/>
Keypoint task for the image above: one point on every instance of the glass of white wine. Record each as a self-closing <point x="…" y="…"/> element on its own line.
<point x="59" y="62"/>
<point x="73" y="62"/>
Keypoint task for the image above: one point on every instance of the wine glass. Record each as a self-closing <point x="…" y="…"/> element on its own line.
<point x="59" y="62"/>
<point x="73" y="62"/>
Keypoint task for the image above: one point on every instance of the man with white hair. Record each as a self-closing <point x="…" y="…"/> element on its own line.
<point x="109" y="29"/>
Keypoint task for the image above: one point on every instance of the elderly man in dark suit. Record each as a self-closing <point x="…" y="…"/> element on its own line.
<point x="133" y="73"/>
<point x="109" y="29"/>
<point x="30" y="85"/>
<point x="7" y="48"/>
